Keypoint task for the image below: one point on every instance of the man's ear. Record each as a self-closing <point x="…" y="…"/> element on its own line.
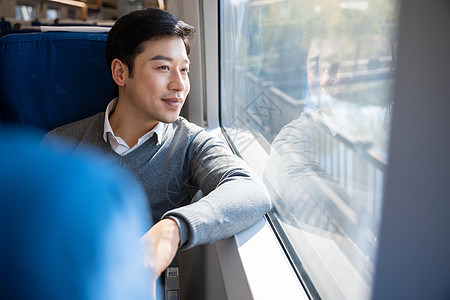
<point x="119" y="72"/>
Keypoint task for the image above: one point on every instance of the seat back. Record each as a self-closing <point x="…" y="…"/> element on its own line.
<point x="49" y="79"/>
<point x="5" y="25"/>
<point x="69" y="230"/>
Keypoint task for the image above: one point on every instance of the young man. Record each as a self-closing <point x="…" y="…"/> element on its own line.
<point x="173" y="159"/>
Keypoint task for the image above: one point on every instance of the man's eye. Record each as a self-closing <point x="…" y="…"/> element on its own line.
<point x="164" y="68"/>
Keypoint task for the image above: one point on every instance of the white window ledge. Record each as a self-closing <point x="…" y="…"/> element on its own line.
<point x="254" y="266"/>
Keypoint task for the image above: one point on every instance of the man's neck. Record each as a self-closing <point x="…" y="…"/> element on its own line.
<point x="127" y="127"/>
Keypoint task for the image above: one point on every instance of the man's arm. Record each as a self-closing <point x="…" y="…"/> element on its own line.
<point x="234" y="197"/>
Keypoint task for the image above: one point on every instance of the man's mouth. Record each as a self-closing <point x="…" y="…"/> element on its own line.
<point x="173" y="102"/>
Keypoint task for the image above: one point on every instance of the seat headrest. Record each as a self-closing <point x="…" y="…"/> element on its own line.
<point x="49" y="79"/>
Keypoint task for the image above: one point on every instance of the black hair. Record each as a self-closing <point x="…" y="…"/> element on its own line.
<point x="125" y="38"/>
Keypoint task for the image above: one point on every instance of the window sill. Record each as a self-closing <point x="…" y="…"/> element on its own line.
<point x="254" y="266"/>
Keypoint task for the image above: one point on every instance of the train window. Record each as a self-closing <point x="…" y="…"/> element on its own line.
<point x="52" y="14"/>
<point x="25" y="12"/>
<point x="311" y="82"/>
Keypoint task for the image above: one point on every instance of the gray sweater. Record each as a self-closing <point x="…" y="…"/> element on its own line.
<point x="187" y="160"/>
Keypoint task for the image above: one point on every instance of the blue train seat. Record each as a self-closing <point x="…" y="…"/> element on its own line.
<point x="69" y="230"/>
<point x="49" y="79"/>
<point x="27" y="30"/>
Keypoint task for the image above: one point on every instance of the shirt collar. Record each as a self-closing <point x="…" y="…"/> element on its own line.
<point x="107" y="126"/>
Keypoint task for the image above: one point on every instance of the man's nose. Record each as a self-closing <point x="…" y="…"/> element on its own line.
<point x="177" y="82"/>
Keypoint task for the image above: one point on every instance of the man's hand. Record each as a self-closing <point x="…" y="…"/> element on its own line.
<point x="161" y="244"/>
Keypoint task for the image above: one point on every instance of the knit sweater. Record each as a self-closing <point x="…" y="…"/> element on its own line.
<point x="187" y="160"/>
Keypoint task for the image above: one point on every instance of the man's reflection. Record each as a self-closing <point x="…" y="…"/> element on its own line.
<point x="316" y="173"/>
<point x="322" y="71"/>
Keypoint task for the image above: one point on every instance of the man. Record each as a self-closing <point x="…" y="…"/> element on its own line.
<point x="173" y="159"/>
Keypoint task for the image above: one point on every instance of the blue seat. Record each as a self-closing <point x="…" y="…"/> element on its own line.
<point x="9" y="31"/>
<point x="68" y="229"/>
<point x="49" y="79"/>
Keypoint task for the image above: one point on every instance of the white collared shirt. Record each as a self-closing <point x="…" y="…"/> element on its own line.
<point x="118" y="145"/>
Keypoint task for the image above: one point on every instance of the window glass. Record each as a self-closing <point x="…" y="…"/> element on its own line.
<point x="311" y="82"/>
<point x="26" y="13"/>
<point x="52" y="14"/>
<point x="72" y="14"/>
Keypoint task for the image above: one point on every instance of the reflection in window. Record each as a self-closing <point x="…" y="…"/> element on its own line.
<point x="313" y="80"/>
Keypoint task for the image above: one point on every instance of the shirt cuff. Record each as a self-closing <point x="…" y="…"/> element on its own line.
<point x="184" y="229"/>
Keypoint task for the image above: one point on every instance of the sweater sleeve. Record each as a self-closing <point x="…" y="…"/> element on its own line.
<point x="233" y="197"/>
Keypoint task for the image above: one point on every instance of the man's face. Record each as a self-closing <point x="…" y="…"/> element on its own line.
<point x="159" y="85"/>
<point x="322" y="68"/>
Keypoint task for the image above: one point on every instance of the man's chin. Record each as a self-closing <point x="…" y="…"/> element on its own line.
<point x="170" y="119"/>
